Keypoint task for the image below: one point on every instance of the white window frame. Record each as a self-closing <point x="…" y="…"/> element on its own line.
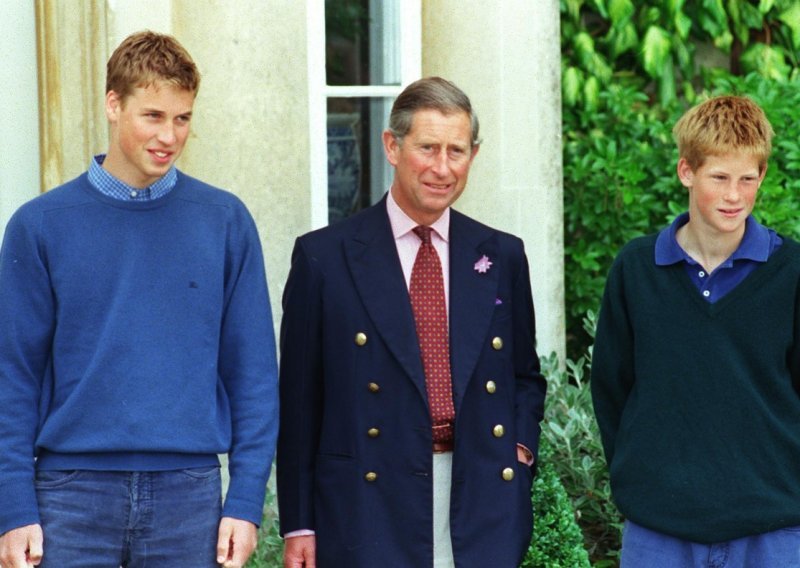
<point x="409" y="46"/>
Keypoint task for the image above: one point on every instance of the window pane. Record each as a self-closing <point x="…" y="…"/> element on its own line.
<point x="362" y="39"/>
<point x="358" y="173"/>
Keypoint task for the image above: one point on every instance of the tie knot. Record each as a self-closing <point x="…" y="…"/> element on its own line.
<point x="424" y="233"/>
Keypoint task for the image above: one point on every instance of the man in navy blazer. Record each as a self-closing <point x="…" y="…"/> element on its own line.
<point x="361" y="482"/>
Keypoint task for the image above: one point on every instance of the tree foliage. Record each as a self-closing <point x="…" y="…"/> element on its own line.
<point x="629" y="70"/>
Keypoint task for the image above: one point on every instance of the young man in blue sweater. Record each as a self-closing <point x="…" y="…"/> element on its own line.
<point x="696" y="365"/>
<point x="136" y="344"/>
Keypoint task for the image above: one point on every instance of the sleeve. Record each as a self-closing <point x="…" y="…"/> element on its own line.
<point x="27" y="323"/>
<point x="612" y="375"/>
<point x="794" y="349"/>
<point x="530" y="384"/>
<point x="300" y="392"/>
<point x="248" y="367"/>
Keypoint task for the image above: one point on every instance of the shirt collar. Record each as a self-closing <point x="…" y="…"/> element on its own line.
<point x="403" y="224"/>
<point x="108" y="185"/>
<point x="755" y="243"/>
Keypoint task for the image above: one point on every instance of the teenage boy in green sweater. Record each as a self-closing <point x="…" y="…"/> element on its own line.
<point x="696" y="366"/>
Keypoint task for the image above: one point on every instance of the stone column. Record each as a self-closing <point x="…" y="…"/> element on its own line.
<point x="250" y="132"/>
<point x="19" y="104"/>
<point x="72" y="43"/>
<point x="505" y="55"/>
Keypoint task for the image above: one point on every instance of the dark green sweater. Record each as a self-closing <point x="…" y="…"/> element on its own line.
<point x="698" y="403"/>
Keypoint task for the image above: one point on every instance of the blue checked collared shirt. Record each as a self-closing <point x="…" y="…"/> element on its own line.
<point x="108" y="185"/>
<point x="758" y="243"/>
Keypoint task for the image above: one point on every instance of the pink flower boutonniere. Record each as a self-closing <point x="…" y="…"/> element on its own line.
<point x="483" y="265"/>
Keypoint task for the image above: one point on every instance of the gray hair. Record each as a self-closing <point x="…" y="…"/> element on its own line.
<point x="430" y="93"/>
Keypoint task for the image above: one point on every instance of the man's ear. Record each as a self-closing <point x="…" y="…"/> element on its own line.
<point x="391" y="147"/>
<point x="474" y="152"/>
<point x="685" y="173"/>
<point x="113" y="106"/>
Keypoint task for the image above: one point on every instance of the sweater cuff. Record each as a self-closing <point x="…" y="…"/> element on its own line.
<point x="245" y="510"/>
<point x="19" y="505"/>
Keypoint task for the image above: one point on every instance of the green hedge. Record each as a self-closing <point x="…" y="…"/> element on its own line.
<point x="557" y="540"/>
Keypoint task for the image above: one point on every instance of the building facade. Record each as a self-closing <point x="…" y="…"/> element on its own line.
<point x="292" y="102"/>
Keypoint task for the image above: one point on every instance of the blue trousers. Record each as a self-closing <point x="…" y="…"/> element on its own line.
<point x="108" y="519"/>
<point x="643" y="548"/>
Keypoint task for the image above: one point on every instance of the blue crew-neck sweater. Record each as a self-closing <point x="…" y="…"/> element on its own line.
<point x="134" y="336"/>
<point x="698" y="403"/>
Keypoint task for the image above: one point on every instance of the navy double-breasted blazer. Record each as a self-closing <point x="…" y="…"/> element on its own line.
<point x="354" y="456"/>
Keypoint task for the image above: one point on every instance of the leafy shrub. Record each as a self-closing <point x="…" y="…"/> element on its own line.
<point x="571" y="431"/>
<point x="655" y="44"/>
<point x="557" y="540"/>
<point x="619" y="183"/>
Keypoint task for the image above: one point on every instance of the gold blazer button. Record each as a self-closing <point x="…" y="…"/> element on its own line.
<point x="372" y="476"/>
<point x="373" y="432"/>
<point x="508" y="474"/>
<point x="373" y="387"/>
<point x="497" y="343"/>
<point x="361" y="338"/>
<point x="498" y="431"/>
<point x="491" y="387"/>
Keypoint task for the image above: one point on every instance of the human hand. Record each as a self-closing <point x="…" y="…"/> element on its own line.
<point x="524" y="455"/>
<point x="21" y="547"/>
<point x="236" y="542"/>
<point x="300" y="552"/>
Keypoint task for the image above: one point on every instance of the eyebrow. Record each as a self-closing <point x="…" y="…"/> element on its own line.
<point x="160" y="111"/>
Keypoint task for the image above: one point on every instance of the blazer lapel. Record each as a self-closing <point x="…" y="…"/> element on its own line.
<point x="472" y="297"/>
<point x="375" y="267"/>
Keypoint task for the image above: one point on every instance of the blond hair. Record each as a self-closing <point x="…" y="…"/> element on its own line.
<point x="146" y="57"/>
<point x="722" y="125"/>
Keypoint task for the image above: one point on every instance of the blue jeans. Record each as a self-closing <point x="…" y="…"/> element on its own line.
<point x="643" y="548"/>
<point x="108" y="519"/>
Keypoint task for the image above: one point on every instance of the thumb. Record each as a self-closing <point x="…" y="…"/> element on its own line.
<point x="224" y="542"/>
<point x="35" y="551"/>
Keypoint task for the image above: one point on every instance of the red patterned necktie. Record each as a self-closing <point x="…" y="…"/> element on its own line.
<point x="430" y="315"/>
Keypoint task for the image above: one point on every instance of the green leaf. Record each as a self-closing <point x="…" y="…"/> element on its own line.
<point x="666" y="83"/>
<point x="765" y="6"/>
<point x="591" y="93"/>
<point x="738" y="20"/>
<point x="600" y="5"/>
<point x="675" y="6"/>
<point x="734" y="12"/>
<point x="584" y="47"/>
<point x="573" y="9"/>
<point x="766" y="60"/>
<point x="655" y="51"/>
<point x="623" y="39"/>
<point x="791" y="18"/>
<point x="683" y="23"/>
<point x="712" y="18"/>
<point x="571" y="81"/>
<point x="752" y="17"/>
<point x="724" y="41"/>
<point x="620" y="11"/>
